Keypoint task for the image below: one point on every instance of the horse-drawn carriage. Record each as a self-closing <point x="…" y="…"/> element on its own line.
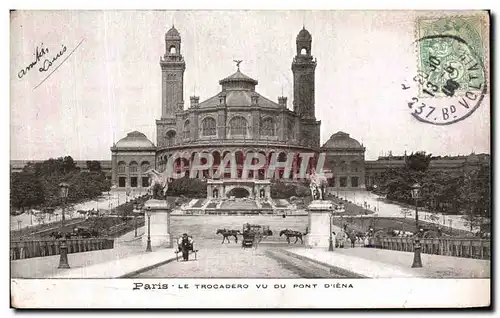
<point x="253" y="233"/>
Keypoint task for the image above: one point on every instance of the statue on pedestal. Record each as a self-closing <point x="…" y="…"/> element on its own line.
<point x="158" y="184"/>
<point x="317" y="185"/>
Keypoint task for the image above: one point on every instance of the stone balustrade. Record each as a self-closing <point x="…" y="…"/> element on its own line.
<point x="39" y="248"/>
<point x="458" y="247"/>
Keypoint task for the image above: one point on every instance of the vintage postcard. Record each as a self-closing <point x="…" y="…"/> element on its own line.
<point x="250" y="159"/>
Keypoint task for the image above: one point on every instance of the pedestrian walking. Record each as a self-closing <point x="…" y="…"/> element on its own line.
<point x="352" y="238"/>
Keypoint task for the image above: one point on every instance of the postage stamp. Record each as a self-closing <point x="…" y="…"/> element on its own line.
<point x="451" y="80"/>
<point x="452" y="55"/>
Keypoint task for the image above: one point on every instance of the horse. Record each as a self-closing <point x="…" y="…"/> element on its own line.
<point x="157" y="178"/>
<point x="226" y="233"/>
<point x="56" y="235"/>
<point x="289" y="233"/>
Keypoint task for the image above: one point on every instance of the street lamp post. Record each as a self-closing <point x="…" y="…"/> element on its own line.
<point x="135" y="225"/>
<point x="148" y="246"/>
<point x="330" y="245"/>
<point x="417" y="260"/>
<point x="63" y="260"/>
<point x="136" y="207"/>
<point x="378" y="197"/>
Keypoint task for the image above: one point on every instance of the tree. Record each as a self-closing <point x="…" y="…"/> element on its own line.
<point x="25" y="190"/>
<point x="283" y="190"/>
<point x="93" y="166"/>
<point x="474" y="196"/>
<point x="418" y="161"/>
<point x="38" y="183"/>
<point x="188" y="186"/>
<point x="68" y="164"/>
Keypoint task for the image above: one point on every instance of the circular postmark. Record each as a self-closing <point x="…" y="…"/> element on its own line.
<point x="450" y="80"/>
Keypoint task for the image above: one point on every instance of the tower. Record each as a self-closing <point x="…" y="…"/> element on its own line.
<point x="303" y="68"/>
<point x="172" y="89"/>
<point x="172" y="71"/>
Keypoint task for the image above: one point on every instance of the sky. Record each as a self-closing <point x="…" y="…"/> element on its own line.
<point x="111" y="84"/>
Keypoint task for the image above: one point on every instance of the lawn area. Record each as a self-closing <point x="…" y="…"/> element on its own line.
<point x="199" y="203"/>
<point x="350" y="208"/>
<point x="27" y="231"/>
<point x="266" y="205"/>
<point x="211" y="205"/>
<point x="280" y="203"/>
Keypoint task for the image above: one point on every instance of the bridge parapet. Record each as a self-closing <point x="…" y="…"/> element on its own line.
<point x="458" y="247"/>
<point x="40" y="248"/>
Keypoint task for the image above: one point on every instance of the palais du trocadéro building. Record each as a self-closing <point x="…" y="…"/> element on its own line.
<point x="237" y="120"/>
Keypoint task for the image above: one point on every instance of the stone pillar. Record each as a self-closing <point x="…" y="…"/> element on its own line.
<point x="319" y="224"/>
<point x="209" y="191"/>
<point x="159" y="222"/>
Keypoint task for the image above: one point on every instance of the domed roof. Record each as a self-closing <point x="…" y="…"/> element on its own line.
<point x="134" y="139"/>
<point x="304" y="35"/>
<point x="173" y="32"/>
<point x="239" y="90"/>
<point x="342" y="140"/>
<point x="238" y="77"/>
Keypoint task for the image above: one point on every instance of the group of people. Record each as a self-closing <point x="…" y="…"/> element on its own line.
<point x="345" y="238"/>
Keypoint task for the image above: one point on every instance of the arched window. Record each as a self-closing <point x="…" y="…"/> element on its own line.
<point x="186" y="132"/>
<point x="238" y="126"/>
<point x="172" y="49"/>
<point x="343" y="166"/>
<point x="331" y="163"/>
<point x="354" y="166"/>
<point x="121" y="167"/>
<point x="208" y="126"/>
<point x="133" y="167"/>
<point x="303" y="51"/>
<point x="267" y="127"/>
<point x="145" y="166"/>
<point x="170" y="138"/>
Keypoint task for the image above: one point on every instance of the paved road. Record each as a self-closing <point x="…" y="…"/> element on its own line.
<point x="233" y="261"/>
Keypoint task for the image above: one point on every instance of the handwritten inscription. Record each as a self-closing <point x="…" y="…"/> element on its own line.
<point x="41" y="52"/>
<point x="48" y="62"/>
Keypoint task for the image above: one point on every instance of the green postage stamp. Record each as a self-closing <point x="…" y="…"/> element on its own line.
<point x="452" y="54"/>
